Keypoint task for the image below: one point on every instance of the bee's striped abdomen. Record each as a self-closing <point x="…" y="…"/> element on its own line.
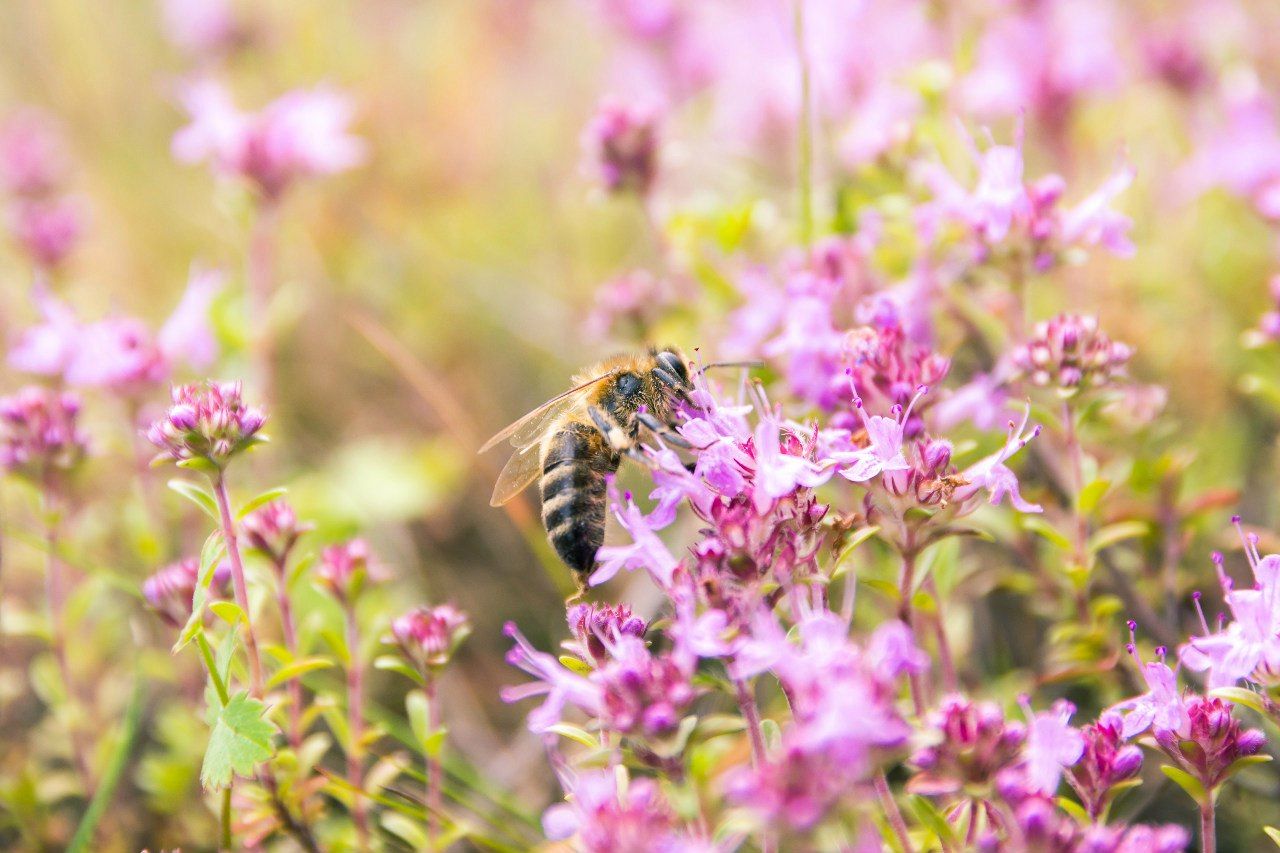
<point x="573" y="493"/>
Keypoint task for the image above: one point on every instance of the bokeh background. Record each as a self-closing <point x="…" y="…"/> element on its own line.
<point x="439" y="290"/>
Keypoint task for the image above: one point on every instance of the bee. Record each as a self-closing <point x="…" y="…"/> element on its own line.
<point x="575" y="440"/>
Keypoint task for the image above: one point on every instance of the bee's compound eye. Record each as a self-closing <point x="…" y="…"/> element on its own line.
<point x="673" y="364"/>
<point x="628" y="384"/>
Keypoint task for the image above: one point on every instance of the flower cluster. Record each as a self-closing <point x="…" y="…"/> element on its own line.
<point x="622" y="142"/>
<point x="44" y="221"/>
<point x="40" y="437"/>
<point x="429" y="635"/>
<point x="1070" y="353"/>
<point x="208" y="423"/>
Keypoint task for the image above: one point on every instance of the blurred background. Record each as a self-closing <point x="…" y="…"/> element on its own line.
<point x="447" y="284"/>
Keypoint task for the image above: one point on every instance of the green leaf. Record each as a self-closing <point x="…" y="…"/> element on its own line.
<point x="406" y="829"/>
<point x="1273" y="834"/>
<point x="1186" y="782"/>
<point x="296" y="668"/>
<point x="928" y="815"/>
<point x="210" y="556"/>
<point x="574" y="733"/>
<point x="199" y="496"/>
<point x="1074" y="809"/>
<point x="855" y="539"/>
<point x="1118" y="532"/>
<point x="1092" y="494"/>
<point x="418" y="707"/>
<point x="265" y="498"/>
<point x="391" y="663"/>
<point x="241" y="739"/>
<point x="229" y="612"/>
<point x="1247" y="761"/>
<point x="1040" y="526"/>
<point x="198" y="463"/>
<point x="1240" y="696"/>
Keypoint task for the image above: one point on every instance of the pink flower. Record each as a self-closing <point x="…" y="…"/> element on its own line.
<point x="273" y="529"/>
<point x="32" y="159"/>
<point x="1244" y="155"/>
<point x="606" y="819"/>
<point x="1052" y="744"/>
<point x="1161" y="708"/>
<point x="779" y="473"/>
<point x="559" y="685"/>
<point x="646" y="550"/>
<point x="1106" y="762"/>
<point x="208" y="422"/>
<point x="202" y="27"/>
<point x="47" y="228"/>
<point x="430" y="635"/>
<point x="301" y="134"/>
<point x="622" y="142"/>
<point x="49" y="347"/>
<point x="883" y="453"/>
<point x="992" y="475"/>
<point x="40" y="437"/>
<point x="346" y="569"/>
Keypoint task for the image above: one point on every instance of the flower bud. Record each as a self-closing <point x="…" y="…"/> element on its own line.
<point x="429" y="635"/>
<point x="207" y="424"/>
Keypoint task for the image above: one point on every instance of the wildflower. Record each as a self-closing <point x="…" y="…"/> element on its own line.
<point x="202" y="27"/>
<point x="273" y="529"/>
<point x="884" y="452"/>
<point x="1052" y="744"/>
<point x="809" y="341"/>
<point x="796" y="788"/>
<point x="1161" y="708"/>
<point x="207" y="424"/>
<point x="430" y="635"/>
<point x="992" y="475"/>
<point x="1211" y="743"/>
<point x="642" y="693"/>
<point x="39" y="434"/>
<point x="629" y="304"/>
<point x="646" y="550"/>
<point x="596" y="626"/>
<point x="608" y="819"/>
<point x="345" y="569"/>
<point x="1106" y="762"/>
<point x="622" y="140"/>
<point x="49" y="347"/>
<point x="1070" y="353"/>
<point x="972" y="744"/>
<point x="46" y="229"/>
<point x="301" y="134"/>
<point x="1244" y="155"/>
<point x="560" y="685"/>
<point x="778" y="472"/>
<point x="1249" y="647"/>
<point x="32" y="158"/>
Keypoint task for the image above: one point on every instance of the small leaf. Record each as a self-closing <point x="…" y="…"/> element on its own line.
<point x="229" y="612"/>
<point x="1038" y="525"/>
<point x="1186" y="782"/>
<point x="1074" y="809"/>
<point x="1247" y="761"/>
<point x="886" y="588"/>
<point x="265" y="498"/>
<point x="1114" y="533"/>
<point x="418" y="708"/>
<point x="1092" y="494"/>
<point x="1273" y="834"/>
<point x="197" y="463"/>
<point x="241" y="739"/>
<point x="210" y="556"/>
<point x="198" y="496"/>
<point x="297" y="668"/>
<point x="391" y="663"/>
<point x="927" y="814"/>
<point x="406" y="829"/>
<point x="574" y="733"/>
<point x="1240" y="696"/>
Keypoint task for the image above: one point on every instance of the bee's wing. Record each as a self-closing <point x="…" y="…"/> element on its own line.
<point x="521" y="469"/>
<point x="529" y="428"/>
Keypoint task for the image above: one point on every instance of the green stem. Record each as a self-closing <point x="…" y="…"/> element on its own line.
<point x="225" y="819"/>
<point x="211" y="664"/>
<point x="111" y="775"/>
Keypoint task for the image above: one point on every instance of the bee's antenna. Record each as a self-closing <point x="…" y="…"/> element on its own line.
<point x="748" y="364"/>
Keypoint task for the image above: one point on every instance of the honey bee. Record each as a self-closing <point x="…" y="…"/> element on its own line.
<point x="578" y="438"/>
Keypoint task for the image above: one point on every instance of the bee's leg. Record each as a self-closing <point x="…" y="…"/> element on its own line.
<point x="658" y="428"/>
<point x="674" y="385"/>
<point x="617" y="440"/>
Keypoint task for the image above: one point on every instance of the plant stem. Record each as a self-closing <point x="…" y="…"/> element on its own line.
<point x="355" y="722"/>
<point x="291" y="643"/>
<point x="1075" y="461"/>
<point x="751" y="714"/>
<point x="805" y="133"/>
<point x="1208" y="828"/>
<point x="435" y="776"/>
<point x="906" y="612"/>
<point x="946" y="662"/>
<point x="238" y="581"/>
<point x="225" y="820"/>
<point x="892" y="812"/>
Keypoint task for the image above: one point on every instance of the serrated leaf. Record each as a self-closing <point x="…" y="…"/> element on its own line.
<point x="197" y="495"/>
<point x="1115" y="533"/>
<point x="241" y="739"/>
<point x="259" y="500"/>
<point x="1186" y="782"/>
<point x="297" y="668"/>
<point x="1240" y="696"/>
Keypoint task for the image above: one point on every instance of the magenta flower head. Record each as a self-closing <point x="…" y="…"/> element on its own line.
<point x="207" y="424"/>
<point x="345" y="569"/>
<point x="1070" y="354"/>
<point x="1107" y="761"/>
<point x="596" y="626"/>
<point x="622" y="140"/>
<point x="170" y="590"/>
<point x="973" y="742"/>
<point x="46" y="229"/>
<point x="274" y="529"/>
<point x="1213" y="744"/>
<point x="429" y="635"/>
<point x="39" y="437"/>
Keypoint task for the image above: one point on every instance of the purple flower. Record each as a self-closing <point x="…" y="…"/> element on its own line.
<point x="273" y="529"/>
<point x="972" y="744"/>
<point x="301" y="134"/>
<point x="992" y="475"/>
<point x="596" y="626"/>
<point x="1106" y="762"/>
<point x="646" y="550"/>
<point x="607" y="819"/>
<point x="558" y="684"/>
<point x="1249" y="647"/>
<point x="47" y="228"/>
<point x="1052" y="744"/>
<point x="1070" y="353"/>
<point x="207" y="424"/>
<point x="883" y="453"/>
<point x="809" y="342"/>
<point x="642" y="693"/>
<point x="39" y="434"/>
<point x="345" y="569"/>
<point x="629" y="305"/>
<point x="1211" y="744"/>
<point x="49" y="347"/>
<point x="170" y="590"/>
<point x="778" y="473"/>
<point x="622" y="142"/>
<point x="1244" y="155"/>
<point x="1161" y="708"/>
<point x="430" y="635"/>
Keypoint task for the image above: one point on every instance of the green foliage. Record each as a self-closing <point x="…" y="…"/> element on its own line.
<point x="241" y="739"/>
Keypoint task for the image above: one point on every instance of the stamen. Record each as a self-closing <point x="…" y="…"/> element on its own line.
<point x="1204" y="623"/>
